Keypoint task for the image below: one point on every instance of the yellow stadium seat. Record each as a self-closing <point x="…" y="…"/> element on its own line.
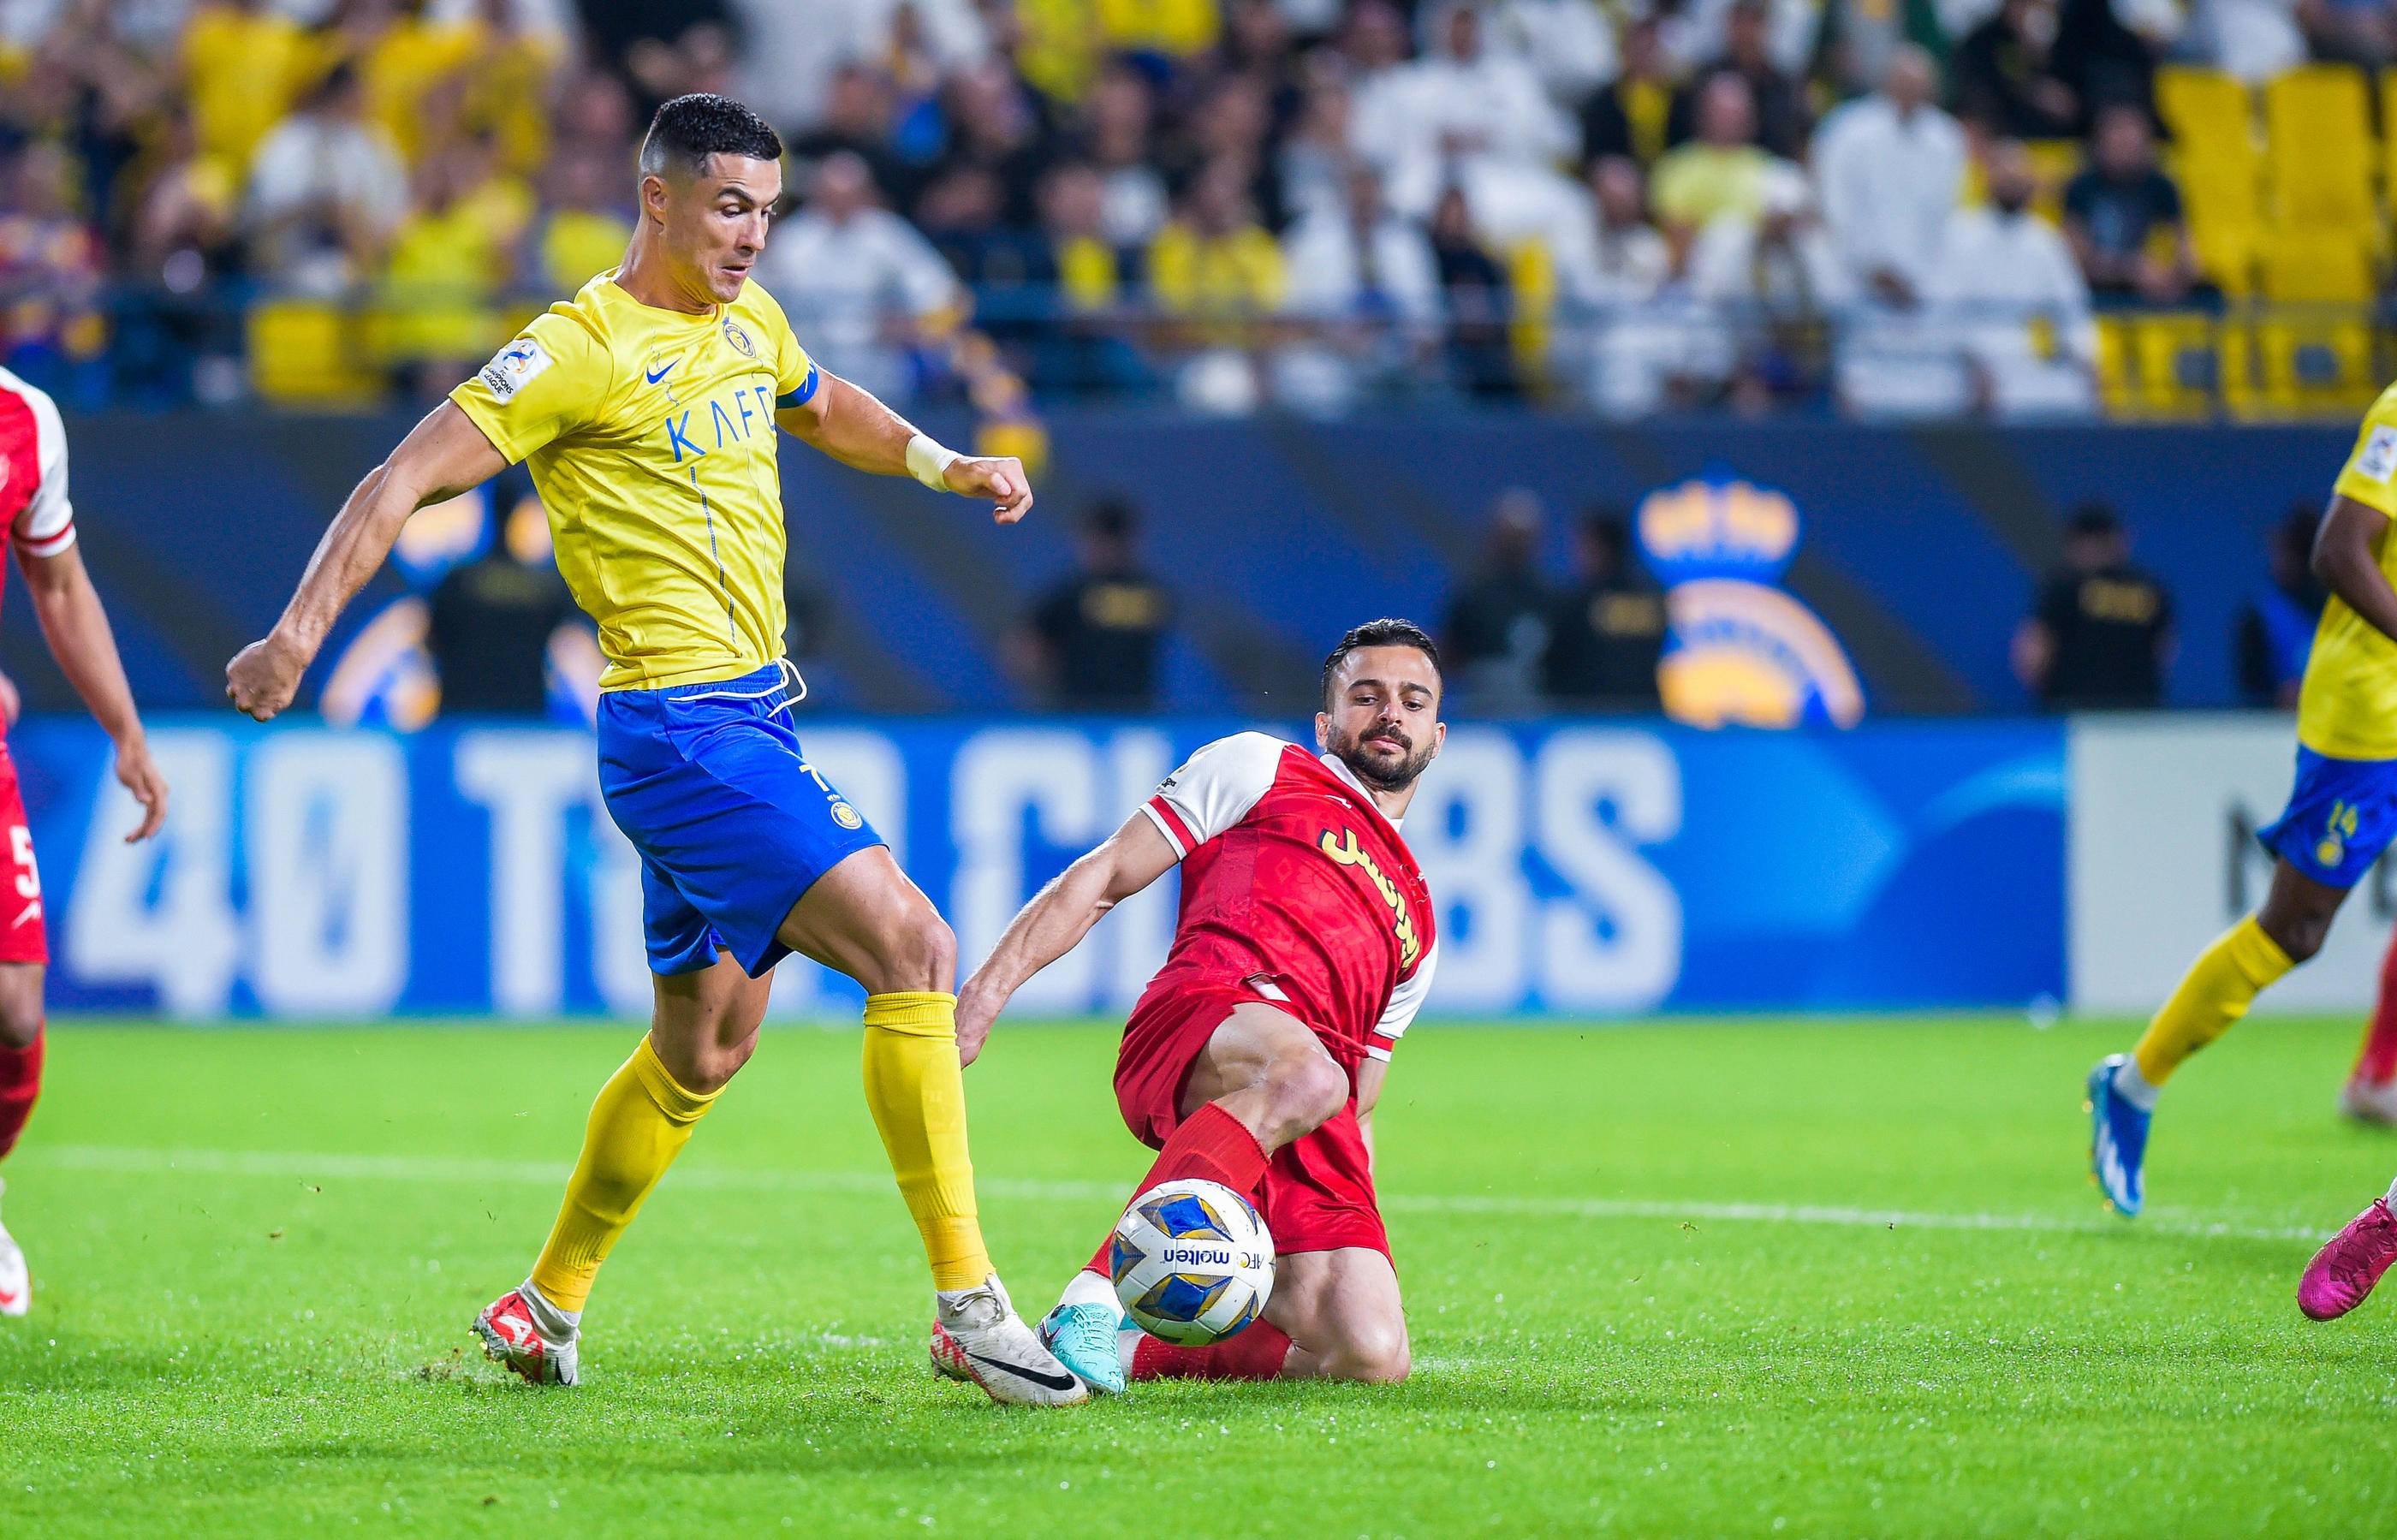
<point x="2389" y="128"/>
<point x="2313" y="332"/>
<point x="2315" y="267"/>
<point x="2180" y="363"/>
<point x="2319" y="148"/>
<point x="305" y="353"/>
<point x="2209" y="112"/>
<point x="2116" y="389"/>
<point x="2313" y="363"/>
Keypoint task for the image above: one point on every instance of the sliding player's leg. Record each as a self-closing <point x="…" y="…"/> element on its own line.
<point x="1335" y="1314"/>
<point x="21" y="1036"/>
<point x="2370" y="1094"/>
<point x="703" y="1026"/>
<point x="1225" y="1086"/>
<point x="866" y="920"/>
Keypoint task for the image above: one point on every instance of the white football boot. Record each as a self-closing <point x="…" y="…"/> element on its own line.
<point x="978" y="1337"/>
<point x="16" y="1281"/>
<point x="529" y="1337"/>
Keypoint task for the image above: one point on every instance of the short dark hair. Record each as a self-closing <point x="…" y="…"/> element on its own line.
<point x="2091" y="519"/>
<point x="1607" y="527"/>
<point x="689" y="128"/>
<point x="1387" y="632"/>
<point x="1112" y="518"/>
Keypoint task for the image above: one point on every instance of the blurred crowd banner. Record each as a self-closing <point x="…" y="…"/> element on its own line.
<point x="1581" y="868"/>
<point x="2164" y="859"/>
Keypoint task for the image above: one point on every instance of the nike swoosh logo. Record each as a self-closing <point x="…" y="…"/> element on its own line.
<point x="10" y="1296"/>
<point x="1054" y="1382"/>
<point x="661" y="374"/>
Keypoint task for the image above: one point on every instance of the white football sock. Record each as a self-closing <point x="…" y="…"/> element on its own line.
<point x="2393" y="1195"/>
<point x="555" y="1325"/>
<point x="1126" y="1344"/>
<point x="1089" y="1288"/>
<point x="2132" y="1087"/>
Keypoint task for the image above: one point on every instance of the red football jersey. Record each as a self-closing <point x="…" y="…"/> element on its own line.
<point x="33" y="470"/>
<point x="1295" y="885"/>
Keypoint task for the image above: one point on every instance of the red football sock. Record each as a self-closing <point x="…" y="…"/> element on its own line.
<point x="1255" y="1354"/>
<point x="2378" y="1062"/>
<point x="1210" y="1145"/>
<point x="20" y="1081"/>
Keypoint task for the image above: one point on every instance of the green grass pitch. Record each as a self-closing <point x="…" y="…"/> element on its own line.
<point x="1747" y="1278"/>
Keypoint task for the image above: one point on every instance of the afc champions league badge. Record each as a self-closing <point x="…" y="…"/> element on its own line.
<point x="738" y="339"/>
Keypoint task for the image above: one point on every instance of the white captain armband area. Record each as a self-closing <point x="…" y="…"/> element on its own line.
<point x="1399" y="1014"/>
<point x="45" y="525"/>
<point x="1214" y="789"/>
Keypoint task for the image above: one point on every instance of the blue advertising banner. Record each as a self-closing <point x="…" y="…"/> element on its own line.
<point x="1581" y="868"/>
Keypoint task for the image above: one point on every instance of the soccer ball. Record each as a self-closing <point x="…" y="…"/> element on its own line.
<point x="1192" y="1263"/>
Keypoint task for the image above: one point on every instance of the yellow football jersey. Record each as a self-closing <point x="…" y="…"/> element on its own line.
<point x="651" y="436"/>
<point x="2348" y="709"/>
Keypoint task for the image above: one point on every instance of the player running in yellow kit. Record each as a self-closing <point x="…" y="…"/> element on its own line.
<point x="646" y="407"/>
<point x="2342" y="811"/>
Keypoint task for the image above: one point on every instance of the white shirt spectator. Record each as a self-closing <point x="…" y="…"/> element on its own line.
<point x="1995" y="272"/>
<point x="2252" y="39"/>
<point x="1615" y="265"/>
<point x="839" y="280"/>
<point x="307" y="158"/>
<point x="1332" y="273"/>
<point x="1406" y="115"/>
<point x="1616" y="333"/>
<point x="1889" y="183"/>
<point x="1132" y="206"/>
<point x="314" y="161"/>
<point x="792" y="50"/>
<point x="1729" y="266"/>
<point x="1568" y="44"/>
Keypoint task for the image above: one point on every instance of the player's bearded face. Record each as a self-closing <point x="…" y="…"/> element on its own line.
<point x="1385" y="723"/>
<point x="1386" y="756"/>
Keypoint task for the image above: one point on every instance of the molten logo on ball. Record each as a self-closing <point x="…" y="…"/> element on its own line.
<point x="1192" y="1263"/>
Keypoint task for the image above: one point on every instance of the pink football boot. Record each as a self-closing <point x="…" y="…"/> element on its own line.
<point x="2343" y="1272"/>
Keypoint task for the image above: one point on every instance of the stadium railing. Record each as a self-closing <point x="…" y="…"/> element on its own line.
<point x="2237" y="358"/>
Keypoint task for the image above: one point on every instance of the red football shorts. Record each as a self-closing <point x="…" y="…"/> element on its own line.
<point x="1318" y="1193"/>
<point x="24" y="937"/>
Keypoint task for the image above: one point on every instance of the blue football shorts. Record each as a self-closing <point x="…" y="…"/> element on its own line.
<point x="2342" y="814"/>
<point x="733" y="825"/>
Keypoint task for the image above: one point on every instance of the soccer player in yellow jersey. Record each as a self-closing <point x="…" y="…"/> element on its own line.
<point x="2342" y="811"/>
<point x="646" y="407"/>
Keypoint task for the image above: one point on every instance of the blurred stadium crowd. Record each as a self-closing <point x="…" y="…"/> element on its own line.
<point x="1928" y="208"/>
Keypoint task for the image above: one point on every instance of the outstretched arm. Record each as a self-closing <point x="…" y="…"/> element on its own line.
<point x="2347" y="559"/>
<point x="1056" y="920"/>
<point x="76" y="627"/>
<point x="442" y="457"/>
<point x="857" y="430"/>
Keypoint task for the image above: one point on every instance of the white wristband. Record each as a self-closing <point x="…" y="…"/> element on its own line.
<point x="929" y="462"/>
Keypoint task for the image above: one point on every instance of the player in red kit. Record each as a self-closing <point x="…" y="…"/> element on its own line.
<point x="41" y="526"/>
<point x="1255" y="1056"/>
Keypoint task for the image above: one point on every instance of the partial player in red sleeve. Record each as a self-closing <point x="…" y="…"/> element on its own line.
<point x="1255" y="1056"/>
<point x="41" y="528"/>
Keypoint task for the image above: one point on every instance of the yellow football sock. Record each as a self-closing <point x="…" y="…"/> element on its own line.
<point x="2216" y="991"/>
<point x="918" y="1093"/>
<point x="641" y="1121"/>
